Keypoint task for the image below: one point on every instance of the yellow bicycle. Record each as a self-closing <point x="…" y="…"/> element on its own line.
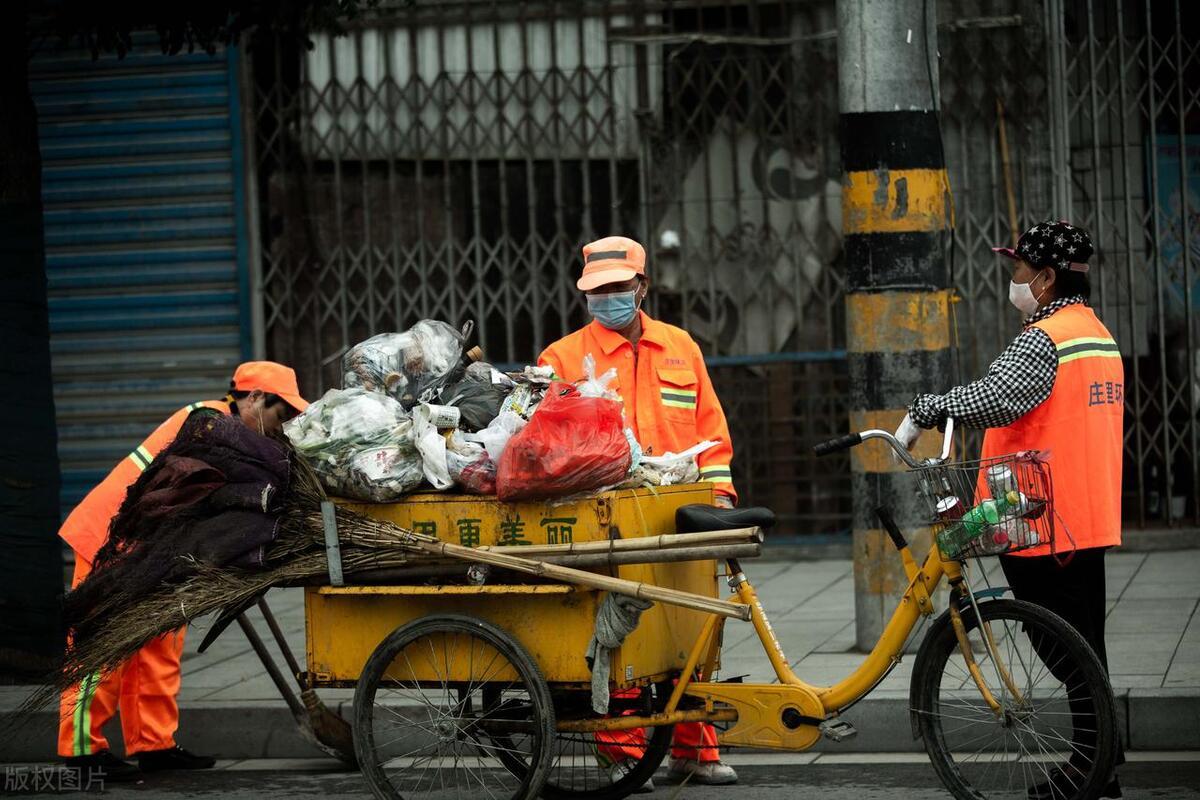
<point x="1009" y="700"/>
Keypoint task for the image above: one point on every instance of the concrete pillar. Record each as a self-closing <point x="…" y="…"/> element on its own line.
<point x="896" y="218"/>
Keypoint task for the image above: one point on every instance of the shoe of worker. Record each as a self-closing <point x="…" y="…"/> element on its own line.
<point x="103" y="765"/>
<point x="173" y="758"/>
<point x="1065" y="782"/>
<point x="702" y="773"/>
<point x="620" y="769"/>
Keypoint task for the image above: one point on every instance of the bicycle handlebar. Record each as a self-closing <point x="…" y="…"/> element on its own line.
<point x="855" y="439"/>
<point x="840" y="443"/>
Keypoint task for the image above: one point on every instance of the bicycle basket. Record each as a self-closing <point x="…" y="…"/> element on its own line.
<point x="989" y="506"/>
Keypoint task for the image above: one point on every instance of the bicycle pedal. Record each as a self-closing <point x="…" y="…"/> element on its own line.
<point x="838" y="730"/>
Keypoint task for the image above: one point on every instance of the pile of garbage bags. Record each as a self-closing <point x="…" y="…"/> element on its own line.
<point x="417" y="411"/>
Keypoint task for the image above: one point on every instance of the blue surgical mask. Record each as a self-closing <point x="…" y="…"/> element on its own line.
<point x="614" y="311"/>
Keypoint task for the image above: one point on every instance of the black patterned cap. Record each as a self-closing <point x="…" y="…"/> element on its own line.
<point x="1053" y="244"/>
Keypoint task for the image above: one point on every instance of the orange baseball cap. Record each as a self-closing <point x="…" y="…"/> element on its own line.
<point x="611" y="260"/>
<point x="270" y="377"/>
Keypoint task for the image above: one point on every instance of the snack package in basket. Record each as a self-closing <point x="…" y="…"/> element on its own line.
<point x="573" y="444"/>
<point x="360" y="444"/>
<point x="411" y="366"/>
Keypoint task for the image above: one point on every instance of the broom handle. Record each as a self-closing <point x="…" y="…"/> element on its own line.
<point x="272" y="668"/>
<point x="637" y="589"/>
<point x="293" y="665"/>
<point x="667" y="541"/>
<point x="445" y="569"/>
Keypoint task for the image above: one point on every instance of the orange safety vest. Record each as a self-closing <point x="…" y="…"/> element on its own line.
<point x="669" y="399"/>
<point x="1080" y="428"/>
<point x="86" y="528"/>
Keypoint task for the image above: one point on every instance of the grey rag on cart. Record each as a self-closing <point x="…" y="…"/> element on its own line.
<point x="616" y="618"/>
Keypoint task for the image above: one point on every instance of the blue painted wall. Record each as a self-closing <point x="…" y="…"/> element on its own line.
<point x="146" y="243"/>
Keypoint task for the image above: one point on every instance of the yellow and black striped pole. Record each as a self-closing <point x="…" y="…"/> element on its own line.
<point x="895" y="214"/>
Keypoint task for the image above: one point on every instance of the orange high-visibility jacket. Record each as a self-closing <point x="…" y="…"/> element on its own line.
<point x="669" y="400"/>
<point x="1080" y="427"/>
<point x="86" y="528"/>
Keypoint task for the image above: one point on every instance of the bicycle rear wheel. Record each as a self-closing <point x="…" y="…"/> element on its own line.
<point x="1055" y="738"/>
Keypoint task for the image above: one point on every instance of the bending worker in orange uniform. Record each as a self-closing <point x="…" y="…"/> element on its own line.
<point x="263" y="395"/>
<point x="669" y="404"/>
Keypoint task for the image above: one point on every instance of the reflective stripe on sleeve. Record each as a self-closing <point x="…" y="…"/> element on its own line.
<point x="141" y="457"/>
<point x="719" y="473"/>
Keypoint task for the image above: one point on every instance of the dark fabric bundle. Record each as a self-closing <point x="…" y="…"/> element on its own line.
<point x="212" y="496"/>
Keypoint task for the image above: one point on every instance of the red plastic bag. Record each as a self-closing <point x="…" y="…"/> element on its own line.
<point x="572" y="444"/>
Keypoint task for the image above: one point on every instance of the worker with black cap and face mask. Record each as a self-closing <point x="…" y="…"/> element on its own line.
<point x="1058" y="388"/>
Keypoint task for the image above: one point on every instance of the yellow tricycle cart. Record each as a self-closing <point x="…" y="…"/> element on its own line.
<point x="485" y="688"/>
<point x="481" y="689"/>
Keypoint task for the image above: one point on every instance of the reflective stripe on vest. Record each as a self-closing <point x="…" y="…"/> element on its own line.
<point x="142" y="455"/>
<point x="1087" y="347"/>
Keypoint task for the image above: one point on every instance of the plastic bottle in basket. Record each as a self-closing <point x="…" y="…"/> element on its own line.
<point x="980" y="524"/>
<point x="949" y="509"/>
<point x="1001" y="481"/>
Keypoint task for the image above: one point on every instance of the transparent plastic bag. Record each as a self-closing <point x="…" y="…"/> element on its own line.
<point x="494" y="438"/>
<point x="470" y="466"/>
<point x="594" y="386"/>
<point x="410" y="366"/>
<point x="359" y="443"/>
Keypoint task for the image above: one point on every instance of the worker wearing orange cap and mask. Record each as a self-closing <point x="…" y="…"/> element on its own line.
<point x="670" y="405"/>
<point x="263" y="395"/>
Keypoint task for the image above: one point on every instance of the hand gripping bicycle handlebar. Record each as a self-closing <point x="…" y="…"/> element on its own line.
<point x="854" y="439"/>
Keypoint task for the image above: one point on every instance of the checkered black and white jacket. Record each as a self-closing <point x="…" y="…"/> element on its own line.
<point x="1016" y="383"/>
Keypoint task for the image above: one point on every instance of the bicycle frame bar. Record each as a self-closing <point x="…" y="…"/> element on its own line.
<point x="915" y="602"/>
<point x="758" y="706"/>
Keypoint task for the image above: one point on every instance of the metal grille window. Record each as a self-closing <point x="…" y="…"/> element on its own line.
<point x="451" y="161"/>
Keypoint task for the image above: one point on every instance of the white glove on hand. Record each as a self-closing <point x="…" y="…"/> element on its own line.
<point x="908" y="432"/>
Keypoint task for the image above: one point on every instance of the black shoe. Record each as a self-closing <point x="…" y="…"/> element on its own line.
<point x="103" y="765"/>
<point x="1064" y="783"/>
<point x="173" y="758"/>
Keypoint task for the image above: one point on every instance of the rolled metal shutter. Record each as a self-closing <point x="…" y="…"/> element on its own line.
<point x="146" y="253"/>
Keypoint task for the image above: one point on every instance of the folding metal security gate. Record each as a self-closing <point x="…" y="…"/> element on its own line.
<point x="451" y="160"/>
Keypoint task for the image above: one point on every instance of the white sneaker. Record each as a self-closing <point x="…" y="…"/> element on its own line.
<point x="621" y="769"/>
<point x="702" y="773"/>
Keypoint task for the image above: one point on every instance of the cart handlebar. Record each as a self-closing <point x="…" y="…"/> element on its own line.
<point x="855" y="439"/>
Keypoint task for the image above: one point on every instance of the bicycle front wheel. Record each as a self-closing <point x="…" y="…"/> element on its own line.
<point x="1054" y="736"/>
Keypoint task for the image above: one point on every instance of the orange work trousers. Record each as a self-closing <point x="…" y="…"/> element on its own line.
<point x="144" y="688"/>
<point x="696" y="741"/>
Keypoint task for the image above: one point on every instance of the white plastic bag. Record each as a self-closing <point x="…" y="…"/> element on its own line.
<point x="669" y="469"/>
<point x="495" y="436"/>
<point x="431" y="444"/>
<point x="597" y="386"/>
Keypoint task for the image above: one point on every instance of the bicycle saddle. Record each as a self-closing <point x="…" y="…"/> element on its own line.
<point x="699" y="517"/>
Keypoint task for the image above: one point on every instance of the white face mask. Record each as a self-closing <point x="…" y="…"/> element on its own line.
<point x="1021" y="296"/>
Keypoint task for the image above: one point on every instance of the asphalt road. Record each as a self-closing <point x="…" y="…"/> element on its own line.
<point x="868" y="778"/>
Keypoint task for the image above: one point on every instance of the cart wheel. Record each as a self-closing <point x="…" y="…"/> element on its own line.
<point x="431" y="703"/>
<point x="589" y="766"/>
